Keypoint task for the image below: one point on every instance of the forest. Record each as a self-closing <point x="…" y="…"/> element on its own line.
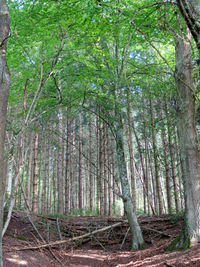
<point x="99" y="136"/>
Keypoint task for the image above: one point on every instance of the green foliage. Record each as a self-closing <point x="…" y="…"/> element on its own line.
<point x="20" y="237"/>
<point x="179" y="243"/>
<point x="58" y="215"/>
<point x="176" y="217"/>
<point x="140" y="212"/>
<point x="90" y="212"/>
<point x="118" y="208"/>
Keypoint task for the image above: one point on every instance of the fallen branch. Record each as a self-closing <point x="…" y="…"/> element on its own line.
<point x="53" y="244"/>
<point x="156" y="231"/>
<point x="124" y="238"/>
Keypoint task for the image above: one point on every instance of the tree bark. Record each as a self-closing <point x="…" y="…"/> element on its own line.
<point x="29" y="172"/>
<point x="190" y="10"/>
<point x="91" y="183"/>
<point x="4" y="90"/>
<point x="35" y="174"/>
<point x="137" y="239"/>
<point x="105" y="170"/>
<point x="60" y="165"/>
<point x="172" y="157"/>
<point x="67" y="166"/>
<point x="189" y="145"/>
<point x="45" y="175"/>
<point x="167" y="167"/>
<point x="80" y="174"/>
<point x="156" y="166"/>
<point x="130" y="147"/>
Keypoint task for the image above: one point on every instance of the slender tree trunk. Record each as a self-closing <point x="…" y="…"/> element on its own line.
<point x="67" y="167"/>
<point x="149" y="187"/>
<point x="130" y="147"/>
<point x="91" y="183"/>
<point x="54" y="179"/>
<point x="72" y="168"/>
<point x="167" y="168"/>
<point x="44" y="187"/>
<point x="35" y="174"/>
<point x="137" y="239"/>
<point x="179" y="173"/>
<point x="80" y="173"/>
<point x="100" y="170"/>
<point x="156" y="166"/>
<point x="48" y="184"/>
<point x="172" y="157"/>
<point x="29" y="172"/>
<point x="113" y="174"/>
<point x="109" y="174"/>
<point x="39" y="183"/>
<point x="105" y="174"/>
<point x="60" y="166"/>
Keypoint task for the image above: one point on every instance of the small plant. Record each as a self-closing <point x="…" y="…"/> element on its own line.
<point x="90" y="212"/>
<point x="20" y="237"/>
<point x="58" y="215"/>
<point x="176" y="216"/>
<point x="77" y="212"/>
<point x="140" y="212"/>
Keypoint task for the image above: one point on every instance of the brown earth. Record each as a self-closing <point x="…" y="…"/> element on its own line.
<point x="103" y="249"/>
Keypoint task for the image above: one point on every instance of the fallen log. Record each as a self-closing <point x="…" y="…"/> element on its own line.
<point x="53" y="244"/>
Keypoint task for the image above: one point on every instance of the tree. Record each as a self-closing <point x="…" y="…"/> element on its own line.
<point x="189" y="144"/>
<point x="4" y="89"/>
<point x="190" y="10"/>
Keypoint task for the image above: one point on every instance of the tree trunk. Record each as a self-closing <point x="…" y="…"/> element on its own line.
<point x="45" y="175"/>
<point x="80" y="174"/>
<point x="113" y="174"/>
<point x="100" y="169"/>
<point x="35" y="174"/>
<point x="29" y="171"/>
<point x="67" y="166"/>
<point x="60" y="166"/>
<point x="137" y="239"/>
<point x="130" y="147"/>
<point x="110" y="184"/>
<point x="4" y="90"/>
<point x="190" y="9"/>
<point x="105" y="169"/>
<point x="189" y="145"/>
<point x="91" y="184"/>
<point x="156" y="166"/>
<point x="172" y="157"/>
<point x="167" y="168"/>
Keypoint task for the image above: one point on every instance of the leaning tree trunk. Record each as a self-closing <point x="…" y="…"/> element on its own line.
<point x="189" y="146"/>
<point x="136" y="233"/>
<point x="4" y="89"/>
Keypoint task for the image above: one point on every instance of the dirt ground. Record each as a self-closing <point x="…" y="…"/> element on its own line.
<point x="107" y="248"/>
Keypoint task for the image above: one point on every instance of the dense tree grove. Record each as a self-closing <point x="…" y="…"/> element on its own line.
<point x="103" y="111"/>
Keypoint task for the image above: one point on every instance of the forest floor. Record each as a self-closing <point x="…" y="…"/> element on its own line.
<point x="106" y="248"/>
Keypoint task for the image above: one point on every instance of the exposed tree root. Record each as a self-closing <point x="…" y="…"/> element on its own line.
<point x="181" y="242"/>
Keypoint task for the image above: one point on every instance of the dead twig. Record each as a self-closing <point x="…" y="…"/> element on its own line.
<point x="124" y="238"/>
<point x="156" y="231"/>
